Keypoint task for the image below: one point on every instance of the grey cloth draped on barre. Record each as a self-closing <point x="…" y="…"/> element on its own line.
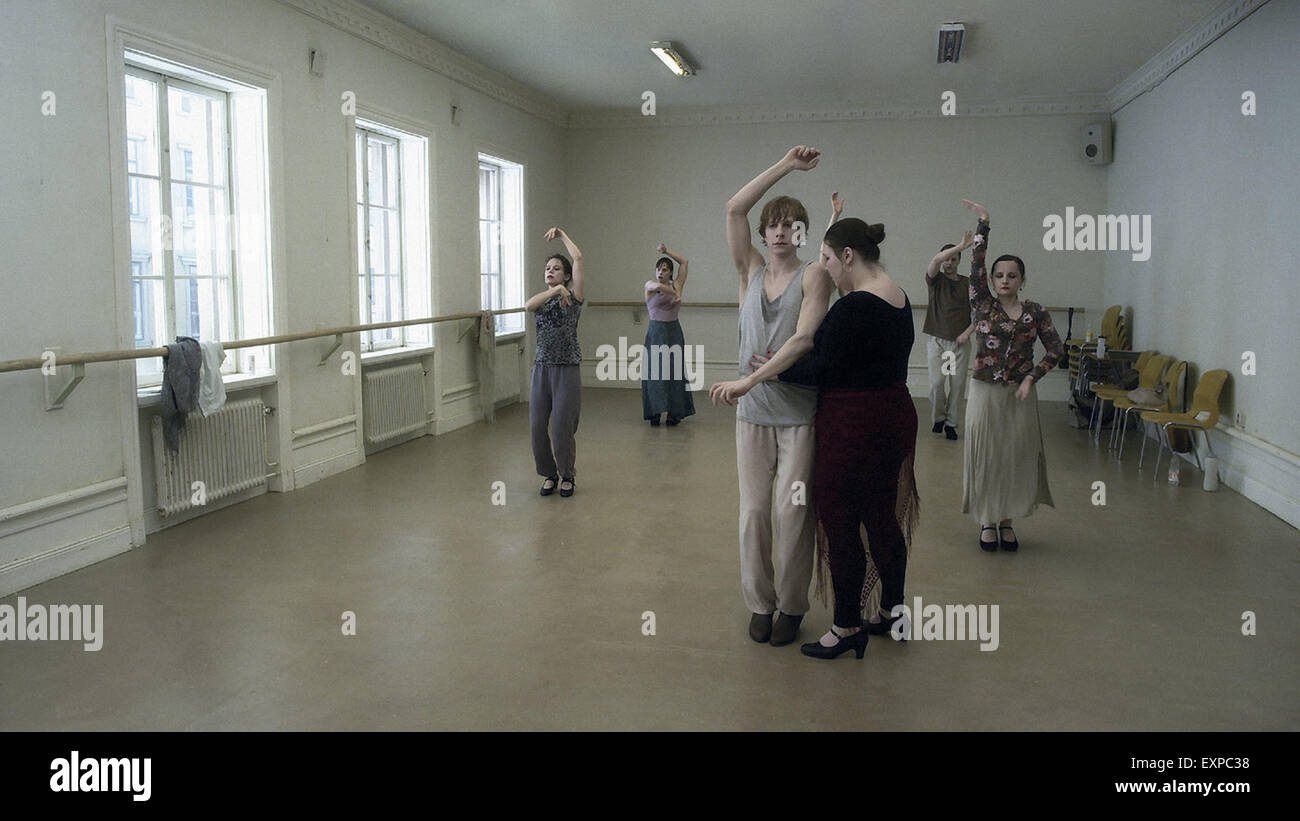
<point x="180" y="387"/>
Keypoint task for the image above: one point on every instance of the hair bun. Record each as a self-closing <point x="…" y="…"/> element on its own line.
<point x="877" y="232"/>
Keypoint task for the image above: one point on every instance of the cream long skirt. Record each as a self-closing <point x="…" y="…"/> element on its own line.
<point x="1005" y="474"/>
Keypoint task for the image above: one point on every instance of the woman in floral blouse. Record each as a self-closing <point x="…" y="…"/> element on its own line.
<point x="556" y="395"/>
<point x="1005" y="466"/>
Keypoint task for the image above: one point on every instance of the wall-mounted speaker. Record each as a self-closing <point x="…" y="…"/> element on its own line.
<point x="1096" y="143"/>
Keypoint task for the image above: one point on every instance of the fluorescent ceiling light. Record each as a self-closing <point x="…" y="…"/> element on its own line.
<point x="666" y="51"/>
<point x="950" y="37"/>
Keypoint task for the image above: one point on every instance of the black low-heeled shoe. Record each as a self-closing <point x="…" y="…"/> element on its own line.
<point x="884" y="627"/>
<point x="856" y="642"/>
<point x="1009" y="545"/>
<point x="547" y="491"/>
<point x="566" y="491"/>
<point x="990" y="547"/>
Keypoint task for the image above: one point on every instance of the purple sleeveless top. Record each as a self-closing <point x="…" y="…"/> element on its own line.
<point x="660" y="305"/>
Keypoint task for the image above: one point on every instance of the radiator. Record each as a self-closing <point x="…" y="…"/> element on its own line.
<point x="392" y="400"/>
<point x="225" y="451"/>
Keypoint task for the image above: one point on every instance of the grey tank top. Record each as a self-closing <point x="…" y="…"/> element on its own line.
<point x="765" y="326"/>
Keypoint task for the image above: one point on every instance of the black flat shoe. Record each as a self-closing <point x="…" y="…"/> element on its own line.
<point x="548" y="486"/>
<point x="673" y="420"/>
<point x="856" y="642"/>
<point x="654" y="423"/>
<point x="785" y="629"/>
<point x="991" y="547"/>
<point x="950" y="432"/>
<point x="566" y="492"/>
<point x="1009" y="545"/>
<point x="760" y="627"/>
<point x="938" y="428"/>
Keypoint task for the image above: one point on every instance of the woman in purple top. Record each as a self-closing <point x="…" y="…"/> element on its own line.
<point x="663" y="386"/>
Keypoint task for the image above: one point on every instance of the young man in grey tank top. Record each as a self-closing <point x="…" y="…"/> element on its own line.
<point x="780" y="298"/>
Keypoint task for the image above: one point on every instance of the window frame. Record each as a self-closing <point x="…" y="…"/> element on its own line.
<point x="503" y="166"/>
<point x="166" y="212"/>
<point x="364" y="132"/>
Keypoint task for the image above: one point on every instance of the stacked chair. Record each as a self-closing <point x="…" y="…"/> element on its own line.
<point x="1151" y="369"/>
<point x="1117" y="334"/>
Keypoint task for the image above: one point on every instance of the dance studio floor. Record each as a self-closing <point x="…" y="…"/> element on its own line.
<point x="472" y="615"/>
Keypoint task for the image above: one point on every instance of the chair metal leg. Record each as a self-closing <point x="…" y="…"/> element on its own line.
<point x="1144" y="442"/>
<point x="1123" y="434"/>
<point x="1160" y="451"/>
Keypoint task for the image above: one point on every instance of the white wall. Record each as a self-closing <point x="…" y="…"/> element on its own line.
<point x="59" y="255"/>
<point x="1221" y="188"/>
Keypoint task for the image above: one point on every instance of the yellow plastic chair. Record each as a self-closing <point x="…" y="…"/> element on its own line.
<point x="1148" y="377"/>
<point x="1175" y="381"/>
<point x="1204" y="414"/>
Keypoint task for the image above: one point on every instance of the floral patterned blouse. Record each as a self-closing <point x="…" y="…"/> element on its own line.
<point x="1004" y="347"/>
<point x="557" y="332"/>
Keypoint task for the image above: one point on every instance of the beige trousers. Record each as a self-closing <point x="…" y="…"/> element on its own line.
<point x="777" y="525"/>
<point x="947" y="390"/>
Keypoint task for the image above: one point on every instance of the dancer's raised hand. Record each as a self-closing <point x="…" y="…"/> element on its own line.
<point x="980" y="211"/>
<point x="803" y="157"/>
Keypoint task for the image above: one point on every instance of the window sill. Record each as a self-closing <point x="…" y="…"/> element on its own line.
<point x="394" y="354"/>
<point x="151" y="396"/>
<point x="516" y="336"/>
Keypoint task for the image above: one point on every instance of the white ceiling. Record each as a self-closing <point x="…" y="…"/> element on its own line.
<point x="591" y="54"/>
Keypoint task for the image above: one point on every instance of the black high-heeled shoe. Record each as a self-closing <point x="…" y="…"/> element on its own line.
<point x="884" y="627"/>
<point x="856" y="642"/>
<point x="990" y="547"/>
<point x="554" y="480"/>
<point x="1009" y="545"/>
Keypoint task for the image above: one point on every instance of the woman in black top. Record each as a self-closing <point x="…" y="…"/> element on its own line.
<point x="866" y="434"/>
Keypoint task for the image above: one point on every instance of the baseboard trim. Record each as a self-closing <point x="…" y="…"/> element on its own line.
<point x="315" y="471"/>
<point x="88" y="524"/>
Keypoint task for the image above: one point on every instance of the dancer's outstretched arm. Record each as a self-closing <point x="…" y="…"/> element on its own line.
<point x="538" y="300"/>
<point x="743" y="253"/>
<point x="837" y="208"/>
<point x="679" y="283"/>
<point x="979" y="282"/>
<point x="575" y="284"/>
<point x="946" y="254"/>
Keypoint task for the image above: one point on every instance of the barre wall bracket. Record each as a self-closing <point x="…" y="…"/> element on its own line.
<point x="331" y="347"/>
<point x="59" y="388"/>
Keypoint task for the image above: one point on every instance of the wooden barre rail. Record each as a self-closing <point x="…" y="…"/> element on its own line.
<point x="10" y="365"/>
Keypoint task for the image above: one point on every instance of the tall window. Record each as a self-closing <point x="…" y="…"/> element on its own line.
<point x="501" y="239"/>
<point x="191" y="169"/>
<point x="392" y="225"/>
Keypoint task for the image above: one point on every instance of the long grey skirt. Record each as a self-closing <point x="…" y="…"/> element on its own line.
<point x="1005" y="468"/>
<point x="665" y="394"/>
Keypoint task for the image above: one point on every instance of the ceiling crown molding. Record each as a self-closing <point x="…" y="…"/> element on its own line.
<point x="1153" y="72"/>
<point x="715" y="115"/>
<point x="389" y="34"/>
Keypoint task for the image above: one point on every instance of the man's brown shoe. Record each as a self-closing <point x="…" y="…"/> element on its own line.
<point x="760" y="627"/>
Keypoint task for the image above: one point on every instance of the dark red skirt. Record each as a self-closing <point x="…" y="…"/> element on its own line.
<point x="856" y="428"/>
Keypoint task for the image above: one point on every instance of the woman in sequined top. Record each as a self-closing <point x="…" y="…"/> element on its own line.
<point x="556" y="395"/>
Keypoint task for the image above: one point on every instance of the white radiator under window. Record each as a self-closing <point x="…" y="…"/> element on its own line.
<point x="226" y="452"/>
<point x="392" y="400"/>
